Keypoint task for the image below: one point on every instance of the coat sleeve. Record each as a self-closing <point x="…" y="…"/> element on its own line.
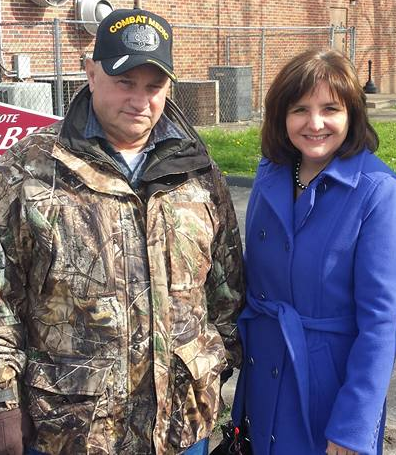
<point x="356" y="415"/>
<point x="12" y="282"/>
<point x="225" y="283"/>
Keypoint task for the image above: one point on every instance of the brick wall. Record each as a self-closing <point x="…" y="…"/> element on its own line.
<point x="197" y="49"/>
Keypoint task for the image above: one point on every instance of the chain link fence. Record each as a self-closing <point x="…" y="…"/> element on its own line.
<point x="42" y="63"/>
<point x="21" y="62"/>
<point x="224" y="72"/>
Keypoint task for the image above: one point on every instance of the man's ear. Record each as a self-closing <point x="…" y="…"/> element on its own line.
<point x="90" y="68"/>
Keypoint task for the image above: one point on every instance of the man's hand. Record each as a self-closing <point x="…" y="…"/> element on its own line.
<point x="334" y="449"/>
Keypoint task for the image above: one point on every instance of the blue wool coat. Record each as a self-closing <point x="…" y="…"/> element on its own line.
<point x="320" y="322"/>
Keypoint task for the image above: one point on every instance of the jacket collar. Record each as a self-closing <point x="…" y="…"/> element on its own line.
<point x="276" y="186"/>
<point x="346" y="170"/>
<point x="72" y="133"/>
<point x="343" y="170"/>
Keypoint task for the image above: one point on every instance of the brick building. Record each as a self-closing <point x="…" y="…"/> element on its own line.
<point x="213" y="32"/>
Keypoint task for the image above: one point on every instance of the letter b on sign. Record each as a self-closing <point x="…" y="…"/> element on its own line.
<point x="11" y="137"/>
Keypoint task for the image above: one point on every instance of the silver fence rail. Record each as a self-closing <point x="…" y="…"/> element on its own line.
<point x="223" y="72"/>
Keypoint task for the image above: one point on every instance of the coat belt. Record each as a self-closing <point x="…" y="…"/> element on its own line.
<point x="292" y="325"/>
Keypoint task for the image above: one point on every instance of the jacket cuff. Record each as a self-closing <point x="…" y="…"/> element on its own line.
<point x="9" y="397"/>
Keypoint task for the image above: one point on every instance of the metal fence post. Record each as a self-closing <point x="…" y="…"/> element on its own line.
<point x="262" y="73"/>
<point x="331" y="37"/>
<point x="352" y="50"/>
<point x="58" y="68"/>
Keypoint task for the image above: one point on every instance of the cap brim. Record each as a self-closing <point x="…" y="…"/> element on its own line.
<point x="118" y="65"/>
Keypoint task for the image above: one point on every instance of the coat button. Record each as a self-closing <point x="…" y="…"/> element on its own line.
<point x="275" y="372"/>
<point x="272" y="438"/>
<point x="262" y="296"/>
<point x="287" y="246"/>
<point x="251" y="361"/>
<point x="262" y="234"/>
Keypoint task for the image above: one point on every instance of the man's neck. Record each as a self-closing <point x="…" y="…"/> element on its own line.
<point x="132" y="148"/>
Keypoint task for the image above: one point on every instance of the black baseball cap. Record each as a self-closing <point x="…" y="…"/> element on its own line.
<point x="127" y="38"/>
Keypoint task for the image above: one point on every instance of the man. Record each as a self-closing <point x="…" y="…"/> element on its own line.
<point x="120" y="265"/>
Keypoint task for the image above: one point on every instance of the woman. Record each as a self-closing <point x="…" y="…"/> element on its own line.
<point x="319" y="327"/>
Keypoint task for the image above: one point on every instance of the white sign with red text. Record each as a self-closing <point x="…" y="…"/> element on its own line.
<point x="18" y="122"/>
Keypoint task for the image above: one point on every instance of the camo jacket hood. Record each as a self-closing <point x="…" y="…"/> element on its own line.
<point x="65" y="323"/>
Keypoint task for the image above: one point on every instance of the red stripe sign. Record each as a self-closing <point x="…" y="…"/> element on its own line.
<point x="18" y="122"/>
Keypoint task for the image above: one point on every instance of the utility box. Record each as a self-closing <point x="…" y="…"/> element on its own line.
<point x="235" y="91"/>
<point x="21" y="64"/>
<point x="199" y="101"/>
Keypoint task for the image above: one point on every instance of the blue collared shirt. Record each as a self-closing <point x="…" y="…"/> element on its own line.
<point x="164" y="129"/>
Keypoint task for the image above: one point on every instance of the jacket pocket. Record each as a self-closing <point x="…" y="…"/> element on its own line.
<point x="82" y="250"/>
<point x="63" y="398"/>
<point x="324" y="387"/>
<point x="195" y="401"/>
<point x="189" y="235"/>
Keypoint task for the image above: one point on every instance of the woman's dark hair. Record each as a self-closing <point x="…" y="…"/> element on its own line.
<point x="299" y="77"/>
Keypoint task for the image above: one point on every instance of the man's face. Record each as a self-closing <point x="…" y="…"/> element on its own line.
<point x="128" y="106"/>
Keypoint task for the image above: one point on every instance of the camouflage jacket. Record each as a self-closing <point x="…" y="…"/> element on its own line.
<point x="67" y="322"/>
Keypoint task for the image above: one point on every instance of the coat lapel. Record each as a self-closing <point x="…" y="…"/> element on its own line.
<point x="276" y="188"/>
<point x="303" y="207"/>
<point x="342" y="171"/>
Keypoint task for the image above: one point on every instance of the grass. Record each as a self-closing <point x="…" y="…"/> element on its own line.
<point x="235" y="152"/>
<point x="387" y="149"/>
<point x="238" y="152"/>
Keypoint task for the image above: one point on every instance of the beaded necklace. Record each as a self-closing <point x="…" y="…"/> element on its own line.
<point x="297" y="176"/>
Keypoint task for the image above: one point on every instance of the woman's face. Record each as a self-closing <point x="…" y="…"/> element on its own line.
<point x="317" y="125"/>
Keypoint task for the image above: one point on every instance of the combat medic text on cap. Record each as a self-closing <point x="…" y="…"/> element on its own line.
<point x="131" y="37"/>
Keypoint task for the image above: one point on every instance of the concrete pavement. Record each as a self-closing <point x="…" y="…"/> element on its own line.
<point x="240" y="196"/>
